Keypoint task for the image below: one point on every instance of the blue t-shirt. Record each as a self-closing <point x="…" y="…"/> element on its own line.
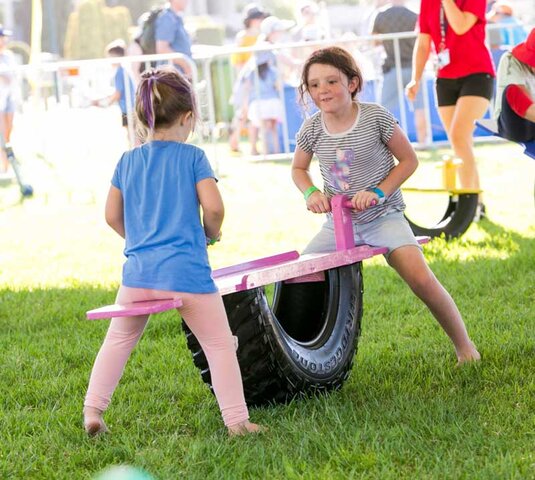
<point x="267" y="86"/>
<point x="170" y="28"/>
<point x="121" y="77"/>
<point x="165" y="244"/>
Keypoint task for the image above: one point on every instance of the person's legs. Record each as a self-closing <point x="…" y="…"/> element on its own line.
<point x="467" y="110"/>
<point x="272" y="136"/>
<point x="206" y="317"/>
<point x="410" y="264"/>
<point x="420" y="119"/>
<point x="123" y="335"/>
<point x="7" y="122"/>
<point x="420" y="123"/>
<point x="390" y="93"/>
<point x="5" y="129"/>
<point x="253" y="115"/>
<point x="446" y="116"/>
<point x="238" y="123"/>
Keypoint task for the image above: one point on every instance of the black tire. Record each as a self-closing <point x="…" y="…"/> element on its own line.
<point x="455" y="221"/>
<point x="305" y="342"/>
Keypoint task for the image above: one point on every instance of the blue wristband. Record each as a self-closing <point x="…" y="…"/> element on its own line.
<point x="377" y="191"/>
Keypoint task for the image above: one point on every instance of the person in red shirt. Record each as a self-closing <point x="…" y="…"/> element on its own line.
<point x="465" y="73"/>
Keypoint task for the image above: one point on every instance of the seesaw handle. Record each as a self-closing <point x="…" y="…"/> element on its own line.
<point x="347" y="203"/>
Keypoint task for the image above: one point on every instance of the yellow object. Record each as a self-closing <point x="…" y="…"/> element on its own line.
<point x="449" y="172"/>
<point x="239" y="59"/>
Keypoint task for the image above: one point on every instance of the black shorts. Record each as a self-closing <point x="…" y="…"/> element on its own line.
<point x="450" y="89"/>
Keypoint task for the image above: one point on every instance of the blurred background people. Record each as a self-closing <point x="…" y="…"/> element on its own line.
<point x="253" y="15"/>
<point x="310" y="25"/>
<point x="124" y="90"/>
<point x="171" y="34"/>
<point x="392" y="18"/>
<point x="262" y="81"/>
<point x="512" y="31"/>
<point x="7" y="94"/>
<point x="515" y="99"/>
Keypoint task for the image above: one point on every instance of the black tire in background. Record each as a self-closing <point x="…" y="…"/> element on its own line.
<point x="305" y="342"/>
<point x="458" y="217"/>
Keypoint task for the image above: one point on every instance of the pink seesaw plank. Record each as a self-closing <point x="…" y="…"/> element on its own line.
<point x="304" y="265"/>
<point x="257" y="263"/>
<point x="422" y="240"/>
<point x="134" y="309"/>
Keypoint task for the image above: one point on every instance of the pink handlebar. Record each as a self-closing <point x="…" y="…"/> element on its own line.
<point x="343" y="225"/>
<point x="347" y="203"/>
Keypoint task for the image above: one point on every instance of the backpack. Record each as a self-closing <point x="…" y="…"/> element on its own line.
<point x="147" y="36"/>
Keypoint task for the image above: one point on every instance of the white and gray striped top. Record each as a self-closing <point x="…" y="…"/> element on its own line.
<point x="356" y="159"/>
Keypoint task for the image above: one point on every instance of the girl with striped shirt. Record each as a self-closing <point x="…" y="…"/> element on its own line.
<point x="355" y="144"/>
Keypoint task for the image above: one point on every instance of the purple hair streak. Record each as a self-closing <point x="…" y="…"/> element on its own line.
<point x="164" y="95"/>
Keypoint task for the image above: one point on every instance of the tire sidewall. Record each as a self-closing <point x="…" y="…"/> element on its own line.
<point x="326" y="362"/>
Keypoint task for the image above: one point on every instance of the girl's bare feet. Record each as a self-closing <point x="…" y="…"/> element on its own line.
<point x="93" y="423"/>
<point x="469" y="354"/>
<point x="245" y="428"/>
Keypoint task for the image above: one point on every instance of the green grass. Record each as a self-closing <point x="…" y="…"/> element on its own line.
<point x="405" y="412"/>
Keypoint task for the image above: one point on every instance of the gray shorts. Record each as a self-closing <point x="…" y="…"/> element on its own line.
<point x="391" y="230"/>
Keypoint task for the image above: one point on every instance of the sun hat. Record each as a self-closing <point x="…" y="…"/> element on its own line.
<point x="252" y="11"/>
<point x="4" y="32"/>
<point x="525" y="51"/>
<point x="275" y="24"/>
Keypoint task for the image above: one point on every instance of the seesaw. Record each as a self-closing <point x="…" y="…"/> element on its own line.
<point x="462" y="203"/>
<point x="460" y="209"/>
<point x="302" y="340"/>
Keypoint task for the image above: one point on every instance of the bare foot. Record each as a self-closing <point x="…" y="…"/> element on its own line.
<point x="468" y="355"/>
<point x="93" y="423"/>
<point x="245" y="428"/>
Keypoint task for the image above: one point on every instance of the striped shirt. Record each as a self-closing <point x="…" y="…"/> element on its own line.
<point x="356" y="159"/>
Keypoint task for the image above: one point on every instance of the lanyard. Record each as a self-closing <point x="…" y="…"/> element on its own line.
<point x="443" y="26"/>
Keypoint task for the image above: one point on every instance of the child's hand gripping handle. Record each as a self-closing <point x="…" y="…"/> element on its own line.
<point x="213" y="240"/>
<point x="347" y="203"/>
<point x="343" y="225"/>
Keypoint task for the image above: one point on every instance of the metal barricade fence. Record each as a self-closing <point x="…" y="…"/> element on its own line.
<point x="213" y="77"/>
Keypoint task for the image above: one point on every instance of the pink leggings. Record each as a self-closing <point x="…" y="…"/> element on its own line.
<point x="206" y="317"/>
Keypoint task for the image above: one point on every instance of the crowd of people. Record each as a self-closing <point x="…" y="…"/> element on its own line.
<point x="456" y="35"/>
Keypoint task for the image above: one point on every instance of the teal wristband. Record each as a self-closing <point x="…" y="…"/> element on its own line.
<point x="377" y="191"/>
<point x="309" y="191"/>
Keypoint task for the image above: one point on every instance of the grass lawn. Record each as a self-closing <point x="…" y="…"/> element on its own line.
<point x="405" y="412"/>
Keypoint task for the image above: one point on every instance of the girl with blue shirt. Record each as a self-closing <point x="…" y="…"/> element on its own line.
<point x="153" y="203"/>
